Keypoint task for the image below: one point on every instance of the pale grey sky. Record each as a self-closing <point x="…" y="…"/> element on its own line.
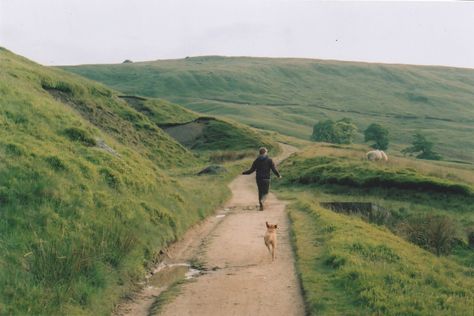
<point x="55" y="32"/>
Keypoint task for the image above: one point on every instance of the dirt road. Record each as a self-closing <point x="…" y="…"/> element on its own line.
<point x="240" y="277"/>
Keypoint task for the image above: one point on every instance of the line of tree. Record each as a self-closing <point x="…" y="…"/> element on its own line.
<point x="344" y="130"/>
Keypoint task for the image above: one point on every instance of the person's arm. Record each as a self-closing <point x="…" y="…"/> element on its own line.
<point x="274" y="169"/>
<point x="252" y="169"/>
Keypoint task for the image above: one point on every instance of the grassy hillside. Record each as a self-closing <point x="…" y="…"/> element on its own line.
<point x="355" y="265"/>
<point x="90" y="190"/>
<point x="207" y="133"/>
<point x="346" y="166"/>
<point x="418" y="186"/>
<point x="159" y="111"/>
<point x="349" y="267"/>
<point x="200" y="133"/>
<point x="290" y="95"/>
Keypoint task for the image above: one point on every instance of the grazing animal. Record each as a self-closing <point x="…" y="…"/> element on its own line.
<point x="376" y="155"/>
<point x="270" y="239"/>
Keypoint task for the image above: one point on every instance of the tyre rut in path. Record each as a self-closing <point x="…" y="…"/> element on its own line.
<point x="240" y="277"/>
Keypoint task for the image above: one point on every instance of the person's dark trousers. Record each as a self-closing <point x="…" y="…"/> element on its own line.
<point x="263" y="186"/>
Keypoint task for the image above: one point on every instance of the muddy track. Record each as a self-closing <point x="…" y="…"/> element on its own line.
<point x="239" y="277"/>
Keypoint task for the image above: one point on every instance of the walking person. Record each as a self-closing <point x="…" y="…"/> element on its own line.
<point x="263" y="164"/>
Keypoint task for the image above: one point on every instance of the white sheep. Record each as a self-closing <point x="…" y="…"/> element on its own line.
<point x="376" y="155"/>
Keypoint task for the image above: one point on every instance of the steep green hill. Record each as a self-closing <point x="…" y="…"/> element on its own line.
<point x="290" y="95"/>
<point x="91" y="188"/>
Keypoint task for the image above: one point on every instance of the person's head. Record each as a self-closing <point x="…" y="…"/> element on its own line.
<point x="263" y="151"/>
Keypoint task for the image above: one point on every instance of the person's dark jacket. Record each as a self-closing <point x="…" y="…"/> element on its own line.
<point x="263" y="164"/>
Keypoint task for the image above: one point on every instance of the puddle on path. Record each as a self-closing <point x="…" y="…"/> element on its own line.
<point x="167" y="274"/>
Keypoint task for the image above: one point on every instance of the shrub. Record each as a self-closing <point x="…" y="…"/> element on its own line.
<point x="436" y="233"/>
<point x="80" y="135"/>
<point x="339" y="132"/>
<point x="423" y="146"/>
<point x="377" y="133"/>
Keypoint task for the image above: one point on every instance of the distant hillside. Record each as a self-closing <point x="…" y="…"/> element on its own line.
<point x="290" y="95"/>
<point x="91" y="188"/>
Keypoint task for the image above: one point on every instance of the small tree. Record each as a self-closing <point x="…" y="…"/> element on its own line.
<point x="345" y="131"/>
<point x="422" y="146"/>
<point x="377" y="133"/>
<point x="323" y="131"/>
<point x="339" y="132"/>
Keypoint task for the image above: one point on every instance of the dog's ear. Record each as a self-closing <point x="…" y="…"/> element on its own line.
<point x="266" y="223"/>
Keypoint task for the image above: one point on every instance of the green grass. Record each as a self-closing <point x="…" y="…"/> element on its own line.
<point x="341" y="173"/>
<point x="369" y="175"/>
<point x="349" y="267"/>
<point x="291" y="95"/>
<point x="90" y="190"/>
<point x="225" y="135"/>
<point x="160" y="111"/>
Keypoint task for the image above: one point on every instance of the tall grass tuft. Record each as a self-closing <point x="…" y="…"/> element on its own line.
<point x="80" y="135"/>
<point x="436" y="233"/>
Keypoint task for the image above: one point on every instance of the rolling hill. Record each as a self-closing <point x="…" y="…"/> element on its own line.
<point x="95" y="182"/>
<point x="290" y="95"/>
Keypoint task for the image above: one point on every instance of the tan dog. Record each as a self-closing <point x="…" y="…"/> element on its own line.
<point x="270" y="239"/>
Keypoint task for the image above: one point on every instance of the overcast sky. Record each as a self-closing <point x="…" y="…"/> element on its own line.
<point x="55" y="32"/>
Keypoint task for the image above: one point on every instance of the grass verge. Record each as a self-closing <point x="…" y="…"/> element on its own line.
<point x="350" y="267"/>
